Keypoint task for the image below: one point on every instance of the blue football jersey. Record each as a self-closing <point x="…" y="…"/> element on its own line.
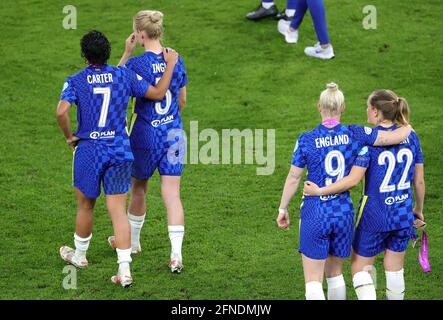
<point x="101" y="94"/>
<point x="388" y="204"/>
<point x="152" y="120"/>
<point x="329" y="153"/>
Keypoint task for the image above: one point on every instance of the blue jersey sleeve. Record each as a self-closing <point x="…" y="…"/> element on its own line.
<point x="184" y="78"/>
<point x="68" y="92"/>
<point x="364" y="135"/>
<point x="138" y="85"/>
<point x="418" y="152"/>
<point x="298" y="157"/>
<point x="363" y="158"/>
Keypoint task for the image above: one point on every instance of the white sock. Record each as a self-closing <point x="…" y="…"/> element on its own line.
<point x="176" y="234"/>
<point x="314" y="291"/>
<point x="267" y="5"/>
<point x="81" y="245"/>
<point x="395" y="285"/>
<point x="364" y="286"/>
<point x="290" y="12"/>
<point x="123" y="260"/>
<point x="336" y="288"/>
<point x="136" y="223"/>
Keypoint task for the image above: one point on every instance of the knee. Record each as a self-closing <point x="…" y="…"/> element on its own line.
<point x="139" y="189"/>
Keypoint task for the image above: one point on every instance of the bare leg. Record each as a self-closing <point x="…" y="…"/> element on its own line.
<point x="85" y="208"/>
<point x="313" y="271"/>
<point x="137" y="204"/>
<point x="116" y="205"/>
<point x="170" y="187"/>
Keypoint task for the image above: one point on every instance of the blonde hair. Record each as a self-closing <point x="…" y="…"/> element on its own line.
<point x="151" y="22"/>
<point x="393" y="107"/>
<point x="332" y="99"/>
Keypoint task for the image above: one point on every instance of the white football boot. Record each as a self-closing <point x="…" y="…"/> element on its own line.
<point x="318" y="52"/>
<point x="176" y="265"/>
<point x="283" y="28"/>
<point x="68" y="254"/>
<point x="136" y="248"/>
<point x="125" y="280"/>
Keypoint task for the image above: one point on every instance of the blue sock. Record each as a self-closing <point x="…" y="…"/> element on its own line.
<point x="317" y="10"/>
<point x="318" y="14"/>
<point x="291" y="4"/>
<point x="300" y="10"/>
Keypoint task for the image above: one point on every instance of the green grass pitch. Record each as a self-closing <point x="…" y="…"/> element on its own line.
<point x="241" y="75"/>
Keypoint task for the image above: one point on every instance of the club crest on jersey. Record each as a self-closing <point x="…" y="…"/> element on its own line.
<point x="157" y="123"/>
<point x="397" y="199"/>
<point x="102" y="135"/>
<point x="368" y="130"/>
<point x="363" y="151"/>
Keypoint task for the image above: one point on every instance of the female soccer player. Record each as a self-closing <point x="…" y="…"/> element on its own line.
<point x="157" y="137"/>
<point x="386" y="213"/>
<point x="102" y="154"/>
<point x="326" y="223"/>
<point x="323" y="49"/>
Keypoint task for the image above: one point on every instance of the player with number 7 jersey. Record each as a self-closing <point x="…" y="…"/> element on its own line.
<point x="102" y="153"/>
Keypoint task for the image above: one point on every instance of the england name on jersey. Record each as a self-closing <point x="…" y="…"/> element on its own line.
<point x="102" y="94"/>
<point x="387" y="203"/>
<point x="153" y="119"/>
<point x="329" y="153"/>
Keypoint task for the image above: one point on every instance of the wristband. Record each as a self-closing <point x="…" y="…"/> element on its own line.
<point x="282" y="210"/>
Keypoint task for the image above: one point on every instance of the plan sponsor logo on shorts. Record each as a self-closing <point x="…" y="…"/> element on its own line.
<point x="397" y="199"/>
<point x="102" y="135"/>
<point x="157" y="123"/>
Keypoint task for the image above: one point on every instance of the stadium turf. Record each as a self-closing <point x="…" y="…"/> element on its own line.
<point x="241" y="75"/>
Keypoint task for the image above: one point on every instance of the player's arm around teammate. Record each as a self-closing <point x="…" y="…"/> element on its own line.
<point x="156" y="130"/>
<point x="101" y="93"/>
<point x="384" y="109"/>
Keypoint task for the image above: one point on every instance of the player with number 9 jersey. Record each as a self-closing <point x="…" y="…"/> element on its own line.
<point x="386" y="213"/>
<point x="326" y="223"/>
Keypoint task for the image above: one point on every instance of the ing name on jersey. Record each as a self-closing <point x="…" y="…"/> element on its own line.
<point x="159" y="67"/>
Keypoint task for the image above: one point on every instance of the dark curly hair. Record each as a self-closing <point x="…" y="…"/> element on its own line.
<point x="95" y="47"/>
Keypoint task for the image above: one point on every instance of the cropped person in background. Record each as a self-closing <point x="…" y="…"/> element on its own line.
<point x="289" y="29"/>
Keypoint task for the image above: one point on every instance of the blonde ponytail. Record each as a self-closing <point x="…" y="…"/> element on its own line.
<point x="332" y="99"/>
<point x="151" y="22"/>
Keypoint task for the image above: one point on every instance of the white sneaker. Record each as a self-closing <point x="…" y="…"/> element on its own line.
<point x="318" y="52"/>
<point x="283" y="28"/>
<point x="136" y="248"/>
<point x="68" y="254"/>
<point x="124" y="280"/>
<point x="176" y="265"/>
